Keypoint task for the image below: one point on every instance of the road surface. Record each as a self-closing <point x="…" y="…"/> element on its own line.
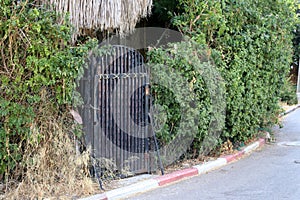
<point x="270" y="173"/>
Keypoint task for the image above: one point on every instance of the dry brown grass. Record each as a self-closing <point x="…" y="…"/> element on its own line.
<point x="52" y="167"/>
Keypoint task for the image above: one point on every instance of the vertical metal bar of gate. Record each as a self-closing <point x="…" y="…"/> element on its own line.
<point x="136" y="103"/>
<point x="102" y="91"/>
<point x="131" y="127"/>
<point x="113" y="108"/>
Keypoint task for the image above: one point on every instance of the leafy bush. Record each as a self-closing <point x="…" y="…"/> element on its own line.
<point x="288" y="93"/>
<point x="37" y="75"/>
<point x="251" y="44"/>
<point x="190" y="92"/>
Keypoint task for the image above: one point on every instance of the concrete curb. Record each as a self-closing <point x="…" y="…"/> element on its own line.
<point x="289" y="111"/>
<point x="132" y="189"/>
<point x="209" y="166"/>
<point x="175" y="176"/>
<point x="153" y="183"/>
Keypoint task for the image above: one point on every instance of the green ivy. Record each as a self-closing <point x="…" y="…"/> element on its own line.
<point x="251" y="41"/>
<point x="190" y="92"/>
<point x="38" y="67"/>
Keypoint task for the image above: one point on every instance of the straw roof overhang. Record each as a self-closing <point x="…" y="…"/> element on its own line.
<point x="122" y="15"/>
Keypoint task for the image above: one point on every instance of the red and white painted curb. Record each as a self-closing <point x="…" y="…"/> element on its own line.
<point x="289" y="110"/>
<point x="151" y="184"/>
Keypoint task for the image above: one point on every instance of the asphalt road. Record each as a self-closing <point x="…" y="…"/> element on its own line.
<point x="270" y="173"/>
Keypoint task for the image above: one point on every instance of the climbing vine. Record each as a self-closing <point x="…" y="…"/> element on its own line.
<point x="38" y="69"/>
<point x="251" y="45"/>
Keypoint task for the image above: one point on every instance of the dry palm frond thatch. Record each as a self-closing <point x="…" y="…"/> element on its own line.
<point x="103" y="14"/>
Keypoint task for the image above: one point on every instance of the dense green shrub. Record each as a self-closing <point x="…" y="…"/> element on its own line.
<point x="251" y="43"/>
<point x="190" y="91"/>
<point x="296" y="40"/>
<point x="288" y="93"/>
<point x="161" y="12"/>
<point x="37" y="72"/>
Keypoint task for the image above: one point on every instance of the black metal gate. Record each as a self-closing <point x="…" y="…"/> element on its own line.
<point x="115" y="113"/>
